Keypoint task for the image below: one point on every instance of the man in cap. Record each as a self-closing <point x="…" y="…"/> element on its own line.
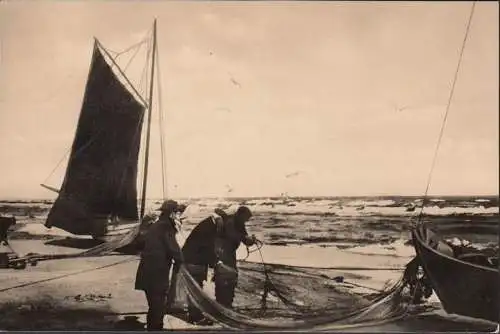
<point x="228" y="239"/>
<point x="160" y="248"/>
<point x="213" y="242"/>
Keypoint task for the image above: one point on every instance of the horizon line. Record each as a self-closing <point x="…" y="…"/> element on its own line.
<point x="275" y="196"/>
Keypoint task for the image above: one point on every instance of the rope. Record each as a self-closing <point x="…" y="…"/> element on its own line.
<point x="361" y="286"/>
<point x="145" y="76"/>
<point x="132" y="88"/>
<point x="450" y="98"/>
<point x="162" y="144"/>
<point x="269" y="285"/>
<point x="67" y="275"/>
<point x="136" y="45"/>
<point x="341" y="267"/>
<point x="66" y="153"/>
<point x="259" y="243"/>
<point x="138" y="130"/>
<point x="131" y="58"/>
<point x="76" y="153"/>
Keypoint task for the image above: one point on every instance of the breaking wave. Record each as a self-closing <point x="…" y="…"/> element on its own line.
<point x="325" y="222"/>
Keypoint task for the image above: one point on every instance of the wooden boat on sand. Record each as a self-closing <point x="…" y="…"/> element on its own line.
<point x="467" y="284"/>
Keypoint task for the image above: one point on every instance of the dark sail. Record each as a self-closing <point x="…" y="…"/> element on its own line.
<point x="101" y="175"/>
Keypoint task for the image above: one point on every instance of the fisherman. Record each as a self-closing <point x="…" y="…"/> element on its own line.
<point x="160" y="248"/>
<point x="213" y="243"/>
<point x="5" y="224"/>
<point x="416" y="279"/>
<point x="199" y="254"/>
<point x="5" y="250"/>
<point x="228" y="238"/>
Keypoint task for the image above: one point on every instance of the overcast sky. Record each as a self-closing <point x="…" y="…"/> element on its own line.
<point x="346" y="97"/>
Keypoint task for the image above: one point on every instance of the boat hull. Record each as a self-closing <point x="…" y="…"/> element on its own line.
<point x="111" y="233"/>
<point x="463" y="288"/>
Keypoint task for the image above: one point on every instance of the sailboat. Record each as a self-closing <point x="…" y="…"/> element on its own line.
<point x="99" y="193"/>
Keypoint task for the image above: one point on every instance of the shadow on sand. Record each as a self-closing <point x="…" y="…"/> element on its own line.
<point x="438" y="323"/>
<point x="427" y="323"/>
<point x="129" y="323"/>
<point x="46" y="314"/>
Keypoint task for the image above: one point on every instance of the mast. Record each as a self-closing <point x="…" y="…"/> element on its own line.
<point x="150" y="106"/>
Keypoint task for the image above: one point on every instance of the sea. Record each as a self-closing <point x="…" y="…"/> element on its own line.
<point x="341" y="222"/>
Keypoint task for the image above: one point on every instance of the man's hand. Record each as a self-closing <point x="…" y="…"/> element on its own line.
<point x="250" y="240"/>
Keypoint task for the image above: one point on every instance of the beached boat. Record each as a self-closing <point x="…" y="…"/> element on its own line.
<point x="466" y="284"/>
<point x="99" y="195"/>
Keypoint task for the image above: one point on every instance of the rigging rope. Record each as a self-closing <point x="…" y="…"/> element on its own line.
<point x="160" y="112"/>
<point x="138" y="130"/>
<point x="136" y="45"/>
<point x="450" y="98"/>
<point x="68" y="150"/>
<point x="132" y="88"/>
<point x="130" y="60"/>
<point x="144" y="74"/>
<point x="76" y="153"/>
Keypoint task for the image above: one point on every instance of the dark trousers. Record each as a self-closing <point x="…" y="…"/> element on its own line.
<point x="224" y="291"/>
<point x="156" y="306"/>
<point x="194" y="314"/>
<point x="199" y="273"/>
<point x="3" y="234"/>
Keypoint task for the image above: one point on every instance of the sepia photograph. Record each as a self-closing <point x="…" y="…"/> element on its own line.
<point x="260" y="166"/>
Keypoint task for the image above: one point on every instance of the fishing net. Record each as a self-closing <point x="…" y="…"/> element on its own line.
<point x="126" y="243"/>
<point x="276" y="296"/>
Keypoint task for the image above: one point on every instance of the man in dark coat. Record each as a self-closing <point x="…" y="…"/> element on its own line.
<point x="213" y="242"/>
<point x="5" y="224"/>
<point x="160" y="248"/>
<point x="228" y="238"/>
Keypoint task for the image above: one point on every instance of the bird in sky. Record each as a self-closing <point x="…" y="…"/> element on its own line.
<point x="236" y="83"/>
<point x="293" y="174"/>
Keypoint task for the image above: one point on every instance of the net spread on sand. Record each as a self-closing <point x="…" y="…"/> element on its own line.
<point x="289" y="297"/>
<point x="276" y="296"/>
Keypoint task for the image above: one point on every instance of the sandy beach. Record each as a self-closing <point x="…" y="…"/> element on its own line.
<point x="97" y="293"/>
